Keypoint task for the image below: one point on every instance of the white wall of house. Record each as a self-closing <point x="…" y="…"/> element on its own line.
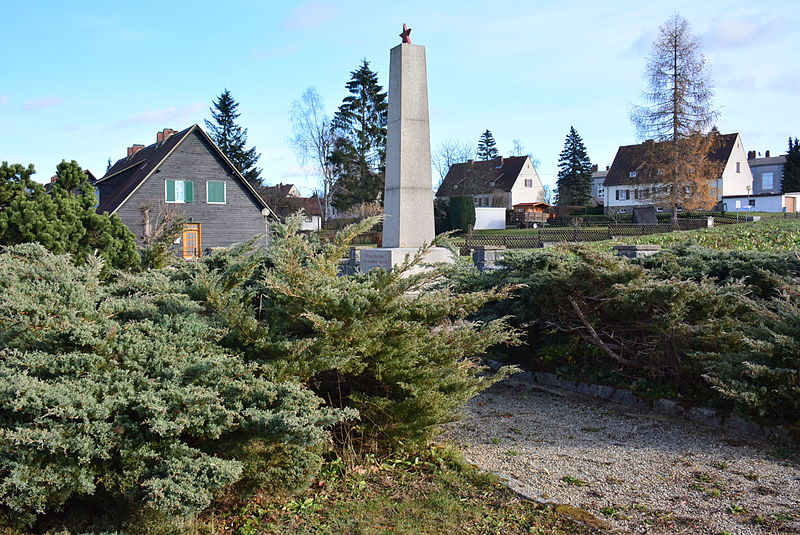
<point x="527" y="188"/>
<point x="490" y="218"/>
<point x="311" y="222"/>
<point x="761" y="203"/>
<point x="736" y="177"/>
<point x="616" y="197"/>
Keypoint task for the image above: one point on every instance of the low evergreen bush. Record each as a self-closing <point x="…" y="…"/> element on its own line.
<point x="393" y="345"/>
<point x="123" y="391"/>
<point x="709" y="324"/>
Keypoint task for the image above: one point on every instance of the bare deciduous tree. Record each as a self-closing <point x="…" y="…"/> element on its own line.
<point x="677" y="114"/>
<point x="313" y="140"/>
<point x="449" y="152"/>
<point x="161" y="226"/>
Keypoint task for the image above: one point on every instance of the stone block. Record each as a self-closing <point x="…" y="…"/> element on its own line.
<point x="667" y="406"/>
<point x="739" y="425"/>
<point x="602" y="391"/>
<point x="387" y="258"/>
<point x="626" y="397"/>
<point x="636" y="251"/>
<point x="705" y="416"/>
<point x="549" y="379"/>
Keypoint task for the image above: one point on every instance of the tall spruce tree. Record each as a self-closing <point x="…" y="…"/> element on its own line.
<point x="232" y="138"/>
<point x="487" y="148"/>
<point x="359" y="148"/>
<point x="62" y="218"/>
<point x="574" y="172"/>
<point x="791" y="168"/>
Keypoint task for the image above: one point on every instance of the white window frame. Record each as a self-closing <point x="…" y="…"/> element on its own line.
<point x="224" y="192"/>
<point x="771" y="180"/>
<point x="179" y="199"/>
<point x="632" y="174"/>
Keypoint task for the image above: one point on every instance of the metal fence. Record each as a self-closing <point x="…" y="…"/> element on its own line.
<point x="538" y="238"/>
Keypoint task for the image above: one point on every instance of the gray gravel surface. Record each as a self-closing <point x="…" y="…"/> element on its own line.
<point x="641" y="472"/>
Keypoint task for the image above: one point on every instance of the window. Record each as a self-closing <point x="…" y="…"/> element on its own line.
<point x="179" y="191"/>
<point x="751" y="202"/>
<point x="455" y="186"/>
<point x="660" y="172"/>
<point x="632" y="174"/>
<point x="528" y="182"/>
<point x="623" y="194"/>
<point x="738" y="167"/>
<point x="767" y="181"/>
<point x="623" y="211"/>
<point x="645" y="193"/>
<point x="659" y="209"/>
<point x="491" y="183"/>
<point x="215" y="192"/>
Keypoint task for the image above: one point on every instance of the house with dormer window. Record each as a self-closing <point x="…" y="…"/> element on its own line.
<point x="501" y="182"/>
<point x="631" y="182"/>
<point x="184" y="174"/>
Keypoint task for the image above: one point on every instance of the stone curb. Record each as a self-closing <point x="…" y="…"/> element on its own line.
<point x="701" y="415"/>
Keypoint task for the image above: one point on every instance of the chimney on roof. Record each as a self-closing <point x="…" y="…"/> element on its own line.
<point x="133" y="149"/>
<point x="608" y="167"/>
<point x="766" y="154"/>
<point x="751" y="154"/>
<point x="164" y="134"/>
<point x="54" y="179"/>
<point x="594" y="168"/>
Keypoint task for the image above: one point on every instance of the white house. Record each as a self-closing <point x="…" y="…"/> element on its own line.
<point x="598" y="187"/>
<point x="763" y="202"/>
<point x="628" y="184"/>
<point x="498" y="182"/>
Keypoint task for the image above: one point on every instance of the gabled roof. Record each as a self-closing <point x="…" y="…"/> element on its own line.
<point x="473" y="177"/>
<point x="278" y="190"/>
<point x="128" y="173"/>
<point x="633" y="157"/>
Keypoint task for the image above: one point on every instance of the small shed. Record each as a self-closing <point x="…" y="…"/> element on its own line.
<point x="527" y="213"/>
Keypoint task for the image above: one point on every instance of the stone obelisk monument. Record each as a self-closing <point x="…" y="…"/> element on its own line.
<point x="408" y="194"/>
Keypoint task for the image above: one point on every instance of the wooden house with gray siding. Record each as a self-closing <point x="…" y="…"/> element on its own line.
<point x="184" y="174"/>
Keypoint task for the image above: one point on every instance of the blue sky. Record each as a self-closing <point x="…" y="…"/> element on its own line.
<point x="83" y="80"/>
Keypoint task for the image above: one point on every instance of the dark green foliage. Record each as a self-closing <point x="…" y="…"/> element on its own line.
<point x="574" y="173"/>
<point x="461" y="213"/>
<point x="232" y="138"/>
<point x="359" y="148"/>
<point x="374" y="342"/>
<point x="791" y="168"/>
<point x="487" y="148"/>
<point x="123" y="392"/>
<point x="709" y="324"/>
<point x="62" y="219"/>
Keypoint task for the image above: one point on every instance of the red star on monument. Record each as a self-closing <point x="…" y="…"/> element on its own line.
<point x="406" y="35"/>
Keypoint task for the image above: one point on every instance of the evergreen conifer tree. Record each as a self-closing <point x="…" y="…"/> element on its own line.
<point x="791" y="168"/>
<point x="232" y="138"/>
<point x="487" y="148"/>
<point x="62" y="219"/>
<point x="359" y="147"/>
<point x="574" y="172"/>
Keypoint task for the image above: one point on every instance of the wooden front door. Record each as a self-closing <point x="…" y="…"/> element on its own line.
<point x="791" y="206"/>
<point x="192" y="241"/>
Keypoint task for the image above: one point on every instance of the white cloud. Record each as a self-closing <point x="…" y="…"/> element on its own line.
<point x="308" y="16"/>
<point x="730" y="33"/>
<point x="173" y="114"/>
<point x="43" y="102"/>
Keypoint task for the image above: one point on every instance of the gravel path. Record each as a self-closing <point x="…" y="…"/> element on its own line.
<point x="640" y="472"/>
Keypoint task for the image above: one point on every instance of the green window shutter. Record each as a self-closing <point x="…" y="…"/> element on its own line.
<point x="170" y="191"/>
<point x="188" y="191"/>
<point x="216" y="191"/>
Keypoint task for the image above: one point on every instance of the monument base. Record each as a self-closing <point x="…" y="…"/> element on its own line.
<point x="388" y="257"/>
